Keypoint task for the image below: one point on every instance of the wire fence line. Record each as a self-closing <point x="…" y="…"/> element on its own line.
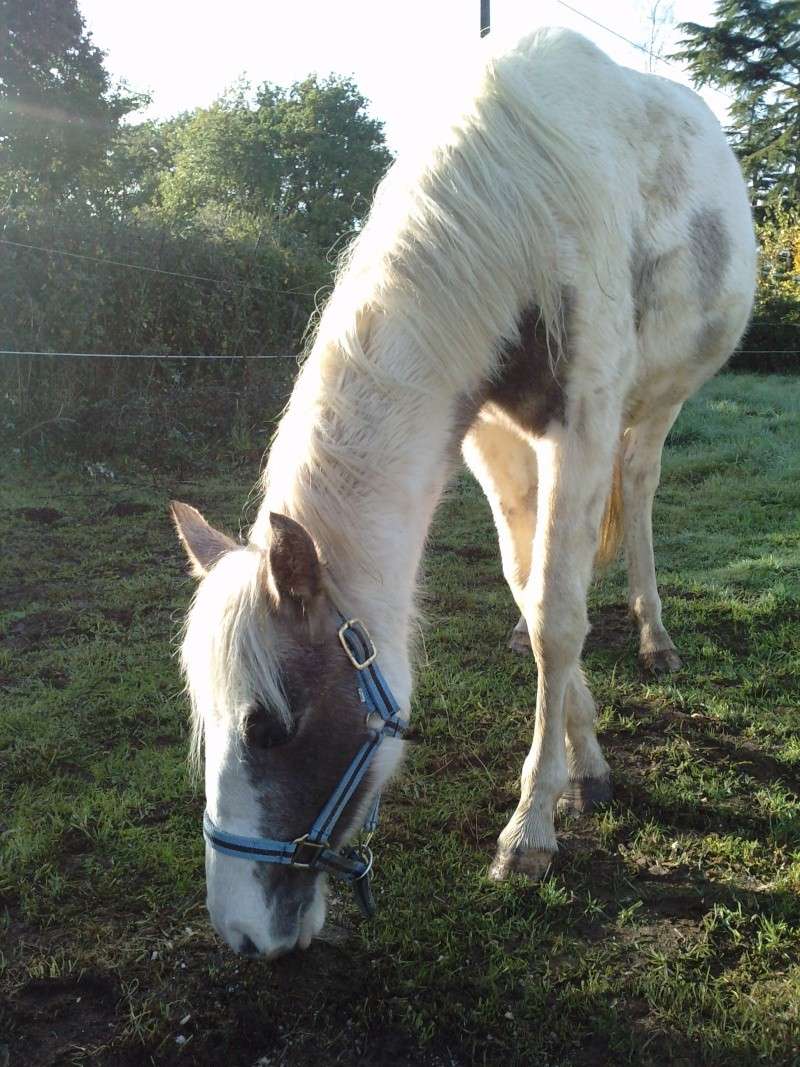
<point x="177" y="358"/>
<point x="150" y="355"/>
<point x="103" y="261"/>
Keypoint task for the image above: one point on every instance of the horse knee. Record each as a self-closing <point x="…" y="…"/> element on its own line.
<point x="557" y="635"/>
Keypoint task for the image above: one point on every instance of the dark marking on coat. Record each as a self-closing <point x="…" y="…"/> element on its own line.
<point x="673" y="180"/>
<point x="714" y="342"/>
<point x="665" y="186"/>
<point x="530" y="384"/>
<point x="581" y="417"/>
<point x="646" y="268"/>
<point x="294" y="780"/>
<point x="711" y="250"/>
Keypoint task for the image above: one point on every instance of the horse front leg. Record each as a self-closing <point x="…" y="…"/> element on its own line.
<point x="575" y="469"/>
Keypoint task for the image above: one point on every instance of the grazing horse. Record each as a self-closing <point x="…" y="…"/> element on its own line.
<point x="542" y="289"/>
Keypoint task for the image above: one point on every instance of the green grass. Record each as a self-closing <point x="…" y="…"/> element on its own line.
<point x="668" y="931"/>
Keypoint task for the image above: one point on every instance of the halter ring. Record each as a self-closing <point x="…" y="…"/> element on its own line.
<point x="363" y="632"/>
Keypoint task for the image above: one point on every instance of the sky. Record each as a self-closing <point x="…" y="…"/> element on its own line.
<point x="186" y="53"/>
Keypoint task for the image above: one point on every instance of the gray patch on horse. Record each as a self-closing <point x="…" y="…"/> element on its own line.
<point x="529" y="384"/>
<point x="713" y="341"/>
<point x="643" y="269"/>
<point x="673" y="180"/>
<point x="666" y="185"/>
<point x="581" y="422"/>
<point x="295" y="780"/>
<point x="711" y="250"/>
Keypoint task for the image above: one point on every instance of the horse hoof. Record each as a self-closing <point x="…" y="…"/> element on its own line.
<point x="520" y="642"/>
<point x="532" y="864"/>
<point x="583" y="795"/>
<point x="662" y="661"/>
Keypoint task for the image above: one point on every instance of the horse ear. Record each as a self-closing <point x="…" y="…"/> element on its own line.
<point x="293" y="561"/>
<point x="204" y="545"/>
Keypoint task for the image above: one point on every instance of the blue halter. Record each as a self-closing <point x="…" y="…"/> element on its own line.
<point x="313" y="850"/>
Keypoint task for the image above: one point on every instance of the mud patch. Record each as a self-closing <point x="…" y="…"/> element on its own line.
<point x="611" y="628"/>
<point x="40" y="626"/>
<point x="123" y="508"/>
<point x="45" y="516"/>
<point x="59" y="1015"/>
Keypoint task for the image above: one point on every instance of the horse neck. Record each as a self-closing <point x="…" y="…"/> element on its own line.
<point x="361" y="459"/>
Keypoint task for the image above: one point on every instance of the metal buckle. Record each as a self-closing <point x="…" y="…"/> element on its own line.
<point x="316" y="847"/>
<point x="364" y="853"/>
<point x="350" y="625"/>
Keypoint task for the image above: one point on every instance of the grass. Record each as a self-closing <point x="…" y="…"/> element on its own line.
<point x="669" y="929"/>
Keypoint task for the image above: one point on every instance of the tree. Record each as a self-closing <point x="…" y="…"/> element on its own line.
<point x="659" y="19"/>
<point x="333" y="155"/>
<point x="58" y="111"/>
<point x="308" y="156"/>
<point x="779" y="239"/>
<point x="753" y="50"/>
<point x="221" y="156"/>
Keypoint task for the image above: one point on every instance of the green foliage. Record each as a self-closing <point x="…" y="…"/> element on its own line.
<point x="255" y="302"/>
<point x="308" y="156"/>
<point x="248" y="293"/>
<point x="772" y="342"/>
<point x="779" y="237"/>
<point x="137" y="159"/>
<point x="247" y="197"/>
<point x="753" y="49"/>
<point x="58" y="111"/>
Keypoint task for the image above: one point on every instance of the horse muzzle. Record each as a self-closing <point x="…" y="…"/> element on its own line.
<point x="263" y="917"/>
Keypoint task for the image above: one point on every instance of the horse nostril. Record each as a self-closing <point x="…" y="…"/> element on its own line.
<point x="248" y="947"/>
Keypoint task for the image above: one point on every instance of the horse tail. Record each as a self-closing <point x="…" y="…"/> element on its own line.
<point x="611" y="527"/>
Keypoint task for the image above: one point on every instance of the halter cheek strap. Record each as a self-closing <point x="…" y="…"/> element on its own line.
<point x="313" y="850"/>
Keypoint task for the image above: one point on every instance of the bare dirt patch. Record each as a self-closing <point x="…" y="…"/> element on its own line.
<point x="611" y="628"/>
<point x="123" y="508"/>
<point x="39" y="626"/>
<point x="46" y="516"/>
<point x="62" y="1015"/>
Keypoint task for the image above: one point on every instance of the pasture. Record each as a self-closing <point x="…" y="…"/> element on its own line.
<point x="668" y="930"/>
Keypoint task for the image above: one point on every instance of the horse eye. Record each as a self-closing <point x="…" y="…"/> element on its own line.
<point x="264" y="728"/>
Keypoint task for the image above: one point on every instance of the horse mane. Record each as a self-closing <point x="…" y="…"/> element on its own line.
<point x="459" y="240"/>
<point x="231" y="663"/>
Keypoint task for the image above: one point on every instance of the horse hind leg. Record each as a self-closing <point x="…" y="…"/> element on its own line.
<point x="641" y="471"/>
<point x="520" y="639"/>
<point x="505" y="467"/>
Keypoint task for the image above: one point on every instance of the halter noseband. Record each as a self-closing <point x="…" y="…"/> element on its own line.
<point x="313" y="850"/>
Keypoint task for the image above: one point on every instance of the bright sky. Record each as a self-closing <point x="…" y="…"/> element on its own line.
<point x="187" y="52"/>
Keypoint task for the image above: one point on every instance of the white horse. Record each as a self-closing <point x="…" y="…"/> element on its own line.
<point x="544" y="290"/>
